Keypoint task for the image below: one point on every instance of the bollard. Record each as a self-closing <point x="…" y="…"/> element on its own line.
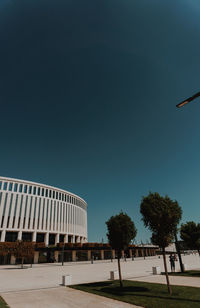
<point x="156" y="270"/>
<point x="112" y="275"/>
<point x="66" y="280"/>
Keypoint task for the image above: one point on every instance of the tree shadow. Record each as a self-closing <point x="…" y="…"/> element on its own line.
<point x="125" y="290"/>
<point x="97" y="284"/>
<point x="168" y="298"/>
<point x="14" y="268"/>
<point x="136" y="291"/>
<point x="194" y="275"/>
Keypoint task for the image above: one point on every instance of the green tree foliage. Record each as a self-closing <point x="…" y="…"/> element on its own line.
<point x="23" y="250"/>
<point x="190" y="234"/>
<point x="121" y="231"/>
<point x="161" y="215"/>
<point x="19" y="249"/>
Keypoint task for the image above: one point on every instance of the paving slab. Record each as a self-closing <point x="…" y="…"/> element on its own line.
<point x="50" y="275"/>
<point x="39" y="286"/>
<point x="61" y="297"/>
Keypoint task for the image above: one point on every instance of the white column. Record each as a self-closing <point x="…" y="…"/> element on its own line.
<point x="64" y="223"/>
<point x="79" y="220"/>
<point x="46" y="239"/>
<point x="27" y="212"/>
<point x="66" y="238"/>
<point x="81" y="223"/>
<point x="34" y="236"/>
<point x="2" y="204"/>
<point x="49" y="211"/>
<point x="41" y="213"/>
<point x="12" y="260"/>
<point x="17" y="211"/>
<point x="36" y="214"/>
<point x="22" y="212"/>
<point x="19" y="236"/>
<point x="61" y="217"/>
<point x="68" y="217"/>
<point x="6" y="211"/>
<point x="85" y="224"/>
<point x="75" y="219"/>
<point x="59" y="222"/>
<point x="12" y="211"/>
<point x="44" y="227"/>
<point x="36" y="257"/>
<point x="56" y="224"/>
<point x="72" y="220"/>
<point x="57" y="238"/>
<point x="52" y="215"/>
<point x="3" y="235"/>
<point x="32" y="212"/>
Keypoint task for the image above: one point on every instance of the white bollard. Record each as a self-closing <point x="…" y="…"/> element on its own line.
<point x="66" y="280"/>
<point x="156" y="270"/>
<point x="112" y="275"/>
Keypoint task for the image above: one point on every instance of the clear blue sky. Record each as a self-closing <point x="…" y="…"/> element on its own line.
<point x="87" y="95"/>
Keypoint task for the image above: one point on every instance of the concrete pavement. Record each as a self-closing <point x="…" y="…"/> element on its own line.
<point x="50" y="275"/>
<point x="61" y="297"/>
<point x="40" y="286"/>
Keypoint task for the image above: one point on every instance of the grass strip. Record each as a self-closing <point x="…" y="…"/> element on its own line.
<point x="3" y="304"/>
<point x="148" y="295"/>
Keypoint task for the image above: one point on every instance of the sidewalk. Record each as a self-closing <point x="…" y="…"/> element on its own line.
<point x="39" y="287"/>
<point x="50" y="275"/>
<point x="61" y="297"/>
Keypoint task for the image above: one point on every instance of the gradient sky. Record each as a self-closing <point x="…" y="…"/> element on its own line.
<point x="87" y="99"/>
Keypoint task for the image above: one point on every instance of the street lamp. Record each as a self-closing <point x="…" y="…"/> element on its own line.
<point x="178" y="252"/>
<point x="186" y="101"/>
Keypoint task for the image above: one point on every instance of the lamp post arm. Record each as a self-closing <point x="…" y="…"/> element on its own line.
<point x="189" y="99"/>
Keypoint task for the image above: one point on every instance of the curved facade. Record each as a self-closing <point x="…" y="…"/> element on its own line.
<point x="35" y="212"/>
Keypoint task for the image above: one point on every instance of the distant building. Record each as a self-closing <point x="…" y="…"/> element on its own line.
<point x="40" y="213"/>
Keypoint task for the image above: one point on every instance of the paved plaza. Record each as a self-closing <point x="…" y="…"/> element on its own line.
<point x="61" y="297"/>
<point x="21" y="287"/>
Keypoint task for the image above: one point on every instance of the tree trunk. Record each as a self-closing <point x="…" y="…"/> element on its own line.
<point x="166" y="272"/>
<point x="119" y="269"/>
<point x="179" y="253"/>
<point x="22" y="264"/>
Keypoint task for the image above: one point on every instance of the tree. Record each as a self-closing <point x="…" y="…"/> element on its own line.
<point x="18" y="249"/>
<point x="190" y="234"/>
<point x="22" y="250"/>
<point x="161" y="215"/>
<point x="5" y="249"/>
<point x="121" y="231"/>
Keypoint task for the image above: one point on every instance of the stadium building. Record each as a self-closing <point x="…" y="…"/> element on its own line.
<point x="40" y="213"/>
